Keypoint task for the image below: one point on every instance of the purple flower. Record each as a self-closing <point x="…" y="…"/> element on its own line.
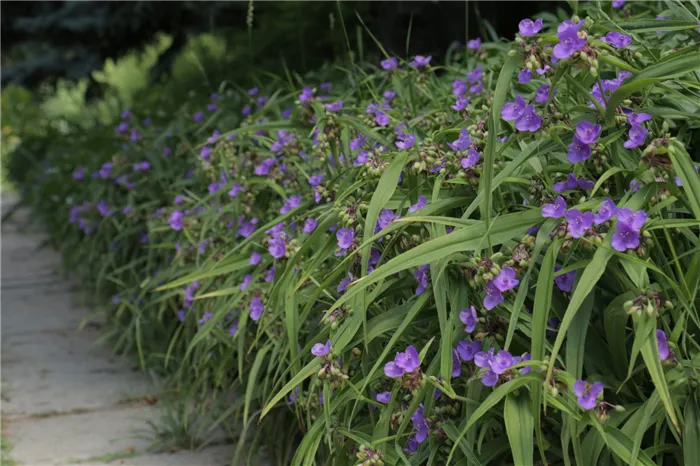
<point x="309" y="225"/>
<point x="105" y="170"/>
<point x="405" y="362"/>
<point x="102" y="208"/>
<point x="460" y="104"/>
<point x="255" y="258"/>
<point x="635" y="219"/>
<point x="587" y="393"/>
<point x="564" y="282"/>
<point x="578" y="151"/>
<point x="261" y="100"/>
<point x="315" y="180"/>
<point x="386" y="216"/>
<point x="636" y="118"/>
<point x="616" y="39"/>
<point x="418" y="205"/>
<point x="214" y="187"/>
<point x="542" y="93"/>
<point x="419" y="61"/>
<point x="233" y="329"/>
<point x="662" y="344"/>
<point x="469" y="318"/>
<point x="556" y="210"/>
<point x="406" y="141"/>
<point x="205" y="153"/>
<point x="529" y="28"/>
<point x="493" y="297"/>
<point x="420" y="425"/>
<point x="637" y="136"/>
<point x="529" y="120"/>
<point x="456" y="365"/>
<point x="175" y="220"/>
<point x="246" y="110"/>
<point x="579" y="222"/>
<point x="247" y="280"/>
<point x="270" y="276"/>
<point x="569" y="40"/>
<point x="468" y="349"/>
<point x="618" y="3"/>
<point x="474" y="44"/>
<point x="189" y="292"/>
<point x="421" y="276"/>
<point x="513" y="110"/>
<point x="320" y="350"/>
<point x="495" y="365"/>
<point x="79" y="173"/>
<point x="525" y="76"/>
<point x="256" y="308"/>
<point x="627" y="230"/>
<point x="206" y="316"/>
<point x="462" y="142"/>
<point x="502" y="362"/>
<point x="235" y="189"/>
<point x="459" y="87"/>
<point x="381" y="118"/>
<point x="384" y="397"/>
<point x="474" y="76"/>
<point x="334" y="107"/>
<point x="389" y="95"/>
<point x="292" y="202"/>
<point x="389" y="63"/>
<point x="253" y="91"/>
<point x="307" y="93"/>
<point x="625" y="237"/>
<point x="199" y="116"/>
<point x="345" y="237"/>
<point x="605" y="212"/>
<point x="571" y="183"/>
<point x="276" y="245"/>
<point x="587" y="132"/>
<point x="344" y="283"/>
<point x="355" y="144"/>
<point x="505" y="280"/>
<point x="246" y="227"/>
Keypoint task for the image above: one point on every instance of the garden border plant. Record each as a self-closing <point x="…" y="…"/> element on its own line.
<point x="490" y="261"/>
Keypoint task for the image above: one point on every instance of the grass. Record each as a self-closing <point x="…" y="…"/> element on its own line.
<point x="5" y="447"/>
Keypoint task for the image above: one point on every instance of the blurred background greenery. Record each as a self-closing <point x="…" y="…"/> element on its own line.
<point x="84" y="62"/>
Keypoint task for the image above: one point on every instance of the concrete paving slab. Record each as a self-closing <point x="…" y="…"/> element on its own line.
<point x="66" y="400"/>
<point x="60" y="440"/>
<point x="63" y="371"/>
<point x="211" y="456"/>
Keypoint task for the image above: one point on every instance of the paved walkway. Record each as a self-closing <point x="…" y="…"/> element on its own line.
<point x="66" y="400"/>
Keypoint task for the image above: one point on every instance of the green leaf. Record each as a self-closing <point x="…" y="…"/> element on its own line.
<point x="519" y="426"/>
<point x="588" y="280"/>
<point x="494" y="397"/>
<point x="683" y="165"/>
<point x="662" y="71"/>
<point x="250" y="390"/>
<point x="385" y="189"/>
<point x="650" y="354"/>
<point x="691" y="432"/>
<point x="310" y="369"/>
<point x="469" y="238"/>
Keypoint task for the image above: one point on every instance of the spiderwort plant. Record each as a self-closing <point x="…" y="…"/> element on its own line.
<point x="435" y="208"/>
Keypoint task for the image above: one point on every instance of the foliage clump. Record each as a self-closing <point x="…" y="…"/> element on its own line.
<point x="492" y="261"/>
